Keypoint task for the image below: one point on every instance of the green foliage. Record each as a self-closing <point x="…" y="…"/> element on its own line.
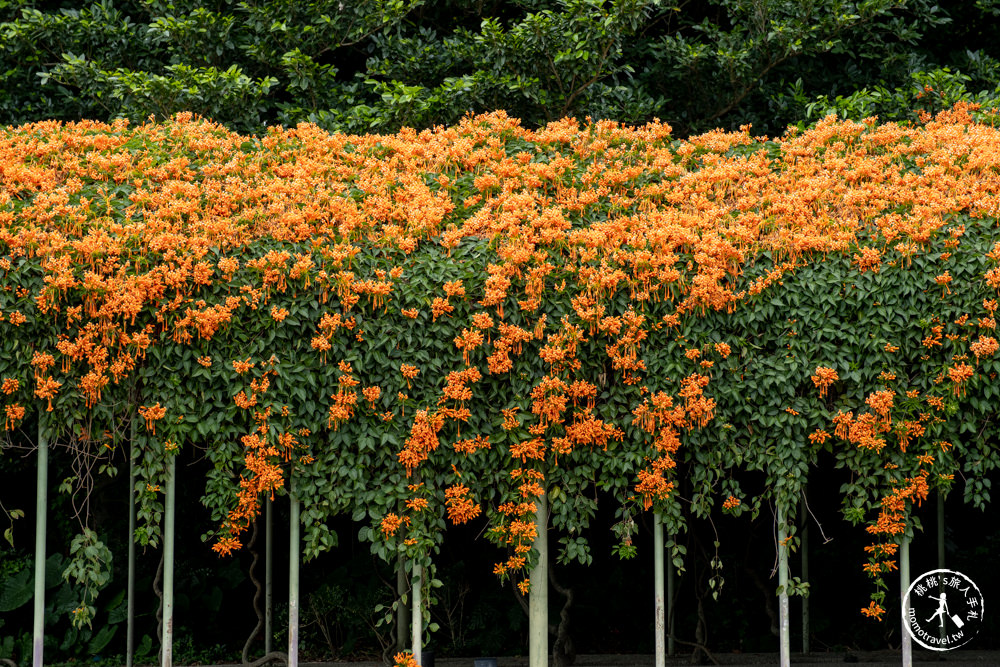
<point x="90" y="570"/>
<point x="16" y="590"/>
<point x="378" y="65"/>
<point x="229" y="96"/>
<point x="927" y="93"/>
<point x="78" y="640"/>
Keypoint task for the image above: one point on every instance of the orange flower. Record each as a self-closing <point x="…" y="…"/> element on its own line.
<point x="404" y="659"/>
<point x="460" y="508"/>
<point x="372" y="394"/>
<point x="42" y="361"/>
<point x="819" y="436"/>
<point x="152" y="414"/>
<point x="242" y="367"/>
<point x="416" y="504"/>
<point x="14" y="413"/>
<point x="881" y="402"/>
<point x="390" y="524"/>
<point x="870" y="259"/>
<point x="944" y="279"/>
<point x="440" y="307"/>
<point x="509" y="419"/>
<point x="823" y="378"/>
<point x="959" y="374"/>
<point x="984" y="347"/>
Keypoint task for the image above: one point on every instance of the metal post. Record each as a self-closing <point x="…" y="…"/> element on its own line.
<point x="402" y="611"/>
<point x="268" y="576"/>
<point x="671" y="645"/>
<point x="538" y="595"/>
<point x="660" y="658"/>
<point x="130" y="604"/>
<point x="41" y="507"/>
<point x="418" y="613"/>
<point x="942" y="631"/>
<point x="804" y="521"/>
<point x="293" y="582"/>
<point x="167" y="652"/>
<point x="940" y="529"/>
<point x="784" y="644"/>
<point x="904" y="585"/>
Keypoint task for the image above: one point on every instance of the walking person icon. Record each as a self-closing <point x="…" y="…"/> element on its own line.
<point x="960" y="601"/>
<point x="942" y="608"/>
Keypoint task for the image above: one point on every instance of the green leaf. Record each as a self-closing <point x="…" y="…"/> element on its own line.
<point x="101" y="639"/>
<point x="16" y="590"/>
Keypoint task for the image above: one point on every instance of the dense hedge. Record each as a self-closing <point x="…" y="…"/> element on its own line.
<point x="378" y="65"/>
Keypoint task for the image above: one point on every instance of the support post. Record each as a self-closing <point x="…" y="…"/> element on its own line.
<point x="784" y="643"/>
<point x="402" y="611"/>
<point x="169" y="513"/>
<point x="130" y="604"/>
<point x="418" y="613"/>
<point x="904" y="585"/>
<point x="538" y="594"/>
<point x="671" y="644"/>
<point x="940" y="529"/>
<point x="41" y="508"/>
<point x="804" y="521"/>
<point x="942" y="631"/>
<point x="268" y="576"/>
<point x="658" y="615"/>
<point x="293" y="581"/>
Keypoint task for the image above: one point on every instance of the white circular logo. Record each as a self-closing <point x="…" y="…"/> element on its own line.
<point x="943" y="610"/>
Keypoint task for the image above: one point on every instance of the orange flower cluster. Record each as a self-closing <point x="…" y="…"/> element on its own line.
<point x="823" y="378"/>
<point x="422" y="441"/>
<point x="14" y="413"/>
<point x="346" y="397"/>
<point x="959" y="374"/>
<point x="461" y="508"/>
<point x="881" y="402"/>
<point x="659" y="416"/>
<point x="519" y="529"/>
<point x="404" y="659"/>
<point x="870" y="259"/>
<point x="391" y="523"/>
<point x="471" y="445"/>
<point x="152" y="414"/>
<point x="873" y="610"/>
<point x="892" y="518"/>
<point x="263" y="453"/>
<point x="985" y="346"/>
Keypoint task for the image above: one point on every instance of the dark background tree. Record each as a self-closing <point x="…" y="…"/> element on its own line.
<point x="377" y="65"/>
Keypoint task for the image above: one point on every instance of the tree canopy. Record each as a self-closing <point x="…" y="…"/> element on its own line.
<point x="379" y="65"/>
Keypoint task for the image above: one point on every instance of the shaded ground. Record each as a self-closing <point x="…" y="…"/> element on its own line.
<point x="957" y="658"/>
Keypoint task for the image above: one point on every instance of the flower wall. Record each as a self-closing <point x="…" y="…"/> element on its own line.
<point x="433" y="327"/>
